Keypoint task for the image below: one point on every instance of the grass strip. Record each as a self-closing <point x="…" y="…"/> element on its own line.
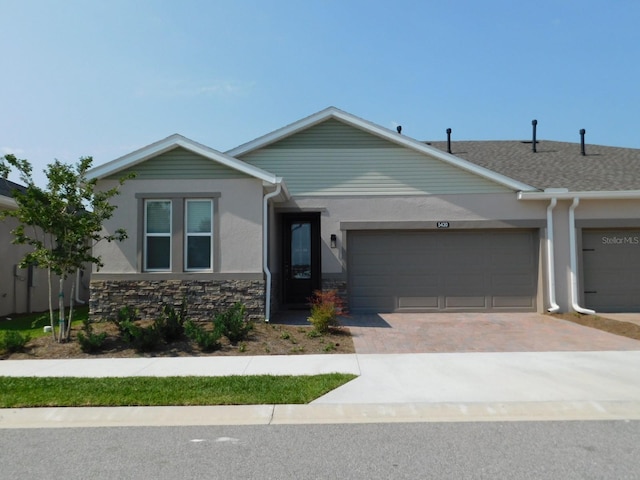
<point x="33" y="323"/>
<point x="22" y="392"/>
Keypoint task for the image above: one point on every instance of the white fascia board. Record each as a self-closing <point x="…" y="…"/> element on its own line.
<point x="169" y="143"/>
<point x="583" y="195"/>
<point x="8" y="203"/>
<point x="282" y="132"/>
<point x="381" y="132"/>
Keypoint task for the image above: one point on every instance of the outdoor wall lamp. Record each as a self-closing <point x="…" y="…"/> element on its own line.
<point x="334" y="240"/>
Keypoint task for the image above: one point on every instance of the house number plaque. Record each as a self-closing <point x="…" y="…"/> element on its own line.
<point x="442" y="224"/>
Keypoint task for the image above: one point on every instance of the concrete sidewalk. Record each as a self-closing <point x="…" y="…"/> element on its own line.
<point x="390" y="388"/>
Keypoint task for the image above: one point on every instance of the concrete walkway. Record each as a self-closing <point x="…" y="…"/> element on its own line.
<point x="390" y="388"/>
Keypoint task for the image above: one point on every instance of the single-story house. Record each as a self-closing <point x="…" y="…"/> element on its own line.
<point x="393" y="223"/>
<point x="25" y="290"/>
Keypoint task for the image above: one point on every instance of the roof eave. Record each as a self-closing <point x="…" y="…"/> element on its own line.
<point x="563" y="194"/>
<point x="169" y="143"/>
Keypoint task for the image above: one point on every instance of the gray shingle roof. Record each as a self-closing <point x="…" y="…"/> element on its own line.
<point x="556" y="164"/>
<point x="7" y="187"/>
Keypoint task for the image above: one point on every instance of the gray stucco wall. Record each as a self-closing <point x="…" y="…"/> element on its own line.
<point x="22" y="292"/>
<point x="239" y="210"/>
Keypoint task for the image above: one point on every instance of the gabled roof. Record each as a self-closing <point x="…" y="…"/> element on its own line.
<point x="7" y="187"/>
<point x="174" y="141"/>
<point x="555" y="164"/>
<point x="382" y="132"/>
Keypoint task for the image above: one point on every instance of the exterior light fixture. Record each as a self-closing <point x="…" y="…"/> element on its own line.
<point x="334" y="240"/>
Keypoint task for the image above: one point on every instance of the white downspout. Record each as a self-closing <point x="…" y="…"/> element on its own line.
<point x="573" y="246"/>
<point x="265" y="249"/>
<point x="77" y="299"/>
<point x="551" y="274"/>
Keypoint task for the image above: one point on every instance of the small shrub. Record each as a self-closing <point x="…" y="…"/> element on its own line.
<point x="285" y="336"/>
<point x="126" y="316"/>
<point x="326" y="306"/>
<point x="242" y="347"/>
<point x="171" y="323"/>
<point x="207" y="340"/>
<point x="90" y="341"/>
<point x="142" y="339"/>
<point x="313" y="334"/>
<point x="232" y="323"/>
<point x="145" y="339"/>
<point x="330" y="347"/>
<point x="13" y="341"/>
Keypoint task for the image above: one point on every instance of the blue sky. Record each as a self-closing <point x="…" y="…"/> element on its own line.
<point x="103" y="78"/>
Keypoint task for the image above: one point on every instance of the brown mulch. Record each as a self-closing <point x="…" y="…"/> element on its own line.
<point x="617" y="327"/>
<point x="264" y="339"/>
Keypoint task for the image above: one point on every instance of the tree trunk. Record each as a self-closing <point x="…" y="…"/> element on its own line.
<point x="51" y="320"/>
<point x="61" y="308"/>
<point x="70" y="316"/>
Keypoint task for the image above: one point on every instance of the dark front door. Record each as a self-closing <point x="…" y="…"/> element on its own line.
<point x="301" y="257"/>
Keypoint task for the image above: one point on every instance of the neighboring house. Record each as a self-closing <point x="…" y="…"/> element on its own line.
<point x="392" y="223"/>
<point x="24" y="290"/>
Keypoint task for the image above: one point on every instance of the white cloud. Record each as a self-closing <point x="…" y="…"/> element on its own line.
<point x="8" y="150"/>
<point x="195" y="89"/>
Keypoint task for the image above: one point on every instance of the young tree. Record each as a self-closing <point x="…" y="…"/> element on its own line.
<point x="62" y="223"/>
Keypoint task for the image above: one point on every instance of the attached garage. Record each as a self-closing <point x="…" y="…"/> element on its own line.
<point x="611" y="266"/>
<point x="456" y="270"/>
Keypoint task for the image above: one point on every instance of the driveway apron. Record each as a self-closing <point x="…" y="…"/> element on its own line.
<point x="476" y="332"/>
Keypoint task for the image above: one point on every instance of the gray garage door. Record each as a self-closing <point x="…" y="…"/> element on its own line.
<point x="611" y="266"/>
<point x="414" y="271"/>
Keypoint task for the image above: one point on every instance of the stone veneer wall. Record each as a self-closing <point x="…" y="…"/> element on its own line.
<point x="204" y="298"/>
<point x="340" y="286"/>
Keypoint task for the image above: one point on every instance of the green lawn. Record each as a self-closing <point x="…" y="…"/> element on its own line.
<point x="20" y="392"/>
<point x="32" y="324"/>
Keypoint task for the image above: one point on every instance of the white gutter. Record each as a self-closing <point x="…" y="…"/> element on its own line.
<point x="573" y="246"/>
<point x="265" y="249"/>
<point x="590" y="195"/>
<point x="551" y="275"/>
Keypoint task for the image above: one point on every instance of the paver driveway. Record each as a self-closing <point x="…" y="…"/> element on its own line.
<point x="477" y="332"/>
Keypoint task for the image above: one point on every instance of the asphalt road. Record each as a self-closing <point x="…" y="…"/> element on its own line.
<point x="483" y="450"/>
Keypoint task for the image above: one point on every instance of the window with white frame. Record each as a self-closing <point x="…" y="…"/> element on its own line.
<point x="198" y="243"/>
<point x="157" y="235"/>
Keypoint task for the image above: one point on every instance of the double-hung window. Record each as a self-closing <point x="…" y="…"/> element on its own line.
<point x="198" y="234"/>
<point x="157" y="235"/>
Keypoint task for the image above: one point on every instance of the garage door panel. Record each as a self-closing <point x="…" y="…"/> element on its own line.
<point x="453" y="302"/>
<point x="453" y="283"/>
<point x="502" y="281"/>
<point x="417" y="302"/>
<point x="372" y="304"/>
<point x="510" y="302"/>
<point x="611" y="269"/>
<point x="408" y="282"/>
<point x="457" y="270"/>
<point x="454" y="260"/>
<point x="513" y="260"/>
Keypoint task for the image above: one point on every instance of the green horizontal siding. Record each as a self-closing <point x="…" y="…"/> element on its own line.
<point x="331" y="134"/>
<point x="180" y="163"/>
<point x="367" y="171"/>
